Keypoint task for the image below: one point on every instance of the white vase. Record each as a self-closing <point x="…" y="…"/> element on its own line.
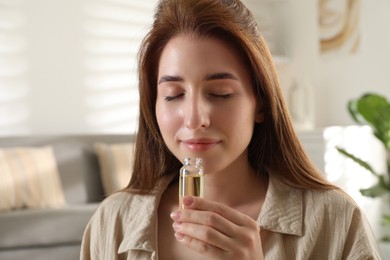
<point x="301" y="104"/>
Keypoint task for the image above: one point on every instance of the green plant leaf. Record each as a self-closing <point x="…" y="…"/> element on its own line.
<point x="359" y="161"/>
<point x="375" y="191"/>
<point x="369" y="105"/>
<point x="386" y="220"/>
<point x="373" y="109"/>
<point x="382" y="125"/>
<point x="379" y="189"/>
<point x="352" y="109"/>
<point x="385" y="239"/>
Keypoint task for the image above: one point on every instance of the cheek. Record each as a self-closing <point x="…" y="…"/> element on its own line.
<point x="239" y="115"/>
<point x="167" y="119"/>
<point x="161" y="117"/>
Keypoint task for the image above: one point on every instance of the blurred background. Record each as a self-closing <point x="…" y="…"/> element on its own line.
<point x="69" y="67"/>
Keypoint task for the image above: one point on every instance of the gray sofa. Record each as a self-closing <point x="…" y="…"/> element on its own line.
<point x="57" y="233"/>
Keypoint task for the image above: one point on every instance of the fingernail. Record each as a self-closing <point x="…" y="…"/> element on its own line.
<point x="179" y="236"/>
<point x="175" y="215"/>
<point x="176" y="226"/>
<point x="188" y="200"/>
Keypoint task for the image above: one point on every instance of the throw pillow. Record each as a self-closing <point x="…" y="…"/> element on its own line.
<point x="29" y="179"/>
<point x="115" y="161"/>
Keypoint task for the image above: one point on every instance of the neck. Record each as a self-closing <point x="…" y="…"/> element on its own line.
<point x="236" y="186"/>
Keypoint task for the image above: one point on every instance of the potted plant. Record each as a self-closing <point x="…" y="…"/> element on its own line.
<point x="373" y="109"/>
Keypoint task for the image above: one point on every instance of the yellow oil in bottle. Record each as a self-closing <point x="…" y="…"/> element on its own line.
<point x="191" y="181"/>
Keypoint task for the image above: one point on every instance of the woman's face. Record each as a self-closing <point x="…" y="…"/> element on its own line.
<point x="205" y="103"/>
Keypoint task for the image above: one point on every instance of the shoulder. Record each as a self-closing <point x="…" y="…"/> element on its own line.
<point x="121" y="221"/>
<point x="115" y="202"/>
<point x="130" y="205"/>
<point x="325" y="219"/>
<point x="114" y="209"/>
<point x="119" y="214"/>
<point x="341" y="216"/>
<point x="348" y="221"/>
<point x="331" y="206"/>
<point x="125" y="204"/>
<point x="331" y="201"/>
<point x="100" y="236"/>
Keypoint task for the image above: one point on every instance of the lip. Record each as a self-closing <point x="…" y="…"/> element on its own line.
<point x="200" y="144"/>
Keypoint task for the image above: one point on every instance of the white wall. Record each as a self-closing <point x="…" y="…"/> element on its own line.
<point x="337" y="79"/>
<point x="68" y="66"/>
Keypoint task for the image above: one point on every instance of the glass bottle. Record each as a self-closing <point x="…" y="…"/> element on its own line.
<point x="191" y="181"/>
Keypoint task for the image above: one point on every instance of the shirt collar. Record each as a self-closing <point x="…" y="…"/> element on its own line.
<point x="282" y="211"/>
<point x="140" y="225"/>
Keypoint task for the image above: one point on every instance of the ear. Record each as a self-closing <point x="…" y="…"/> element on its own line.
<point x="259" y="116"/>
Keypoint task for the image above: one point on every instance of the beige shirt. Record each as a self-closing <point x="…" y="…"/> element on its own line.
<point x="304" y="225"/>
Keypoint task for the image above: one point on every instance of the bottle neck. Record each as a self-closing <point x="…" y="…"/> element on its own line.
<point x="197" y="162"/>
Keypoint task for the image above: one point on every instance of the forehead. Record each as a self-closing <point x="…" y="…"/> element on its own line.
<point x="194" y="52"/>
<point x="190" y="41"/>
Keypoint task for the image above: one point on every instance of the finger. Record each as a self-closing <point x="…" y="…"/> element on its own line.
<point x="213" y="234"/>
<point x="193" y="202"/>
<point x="212" y="243"/>
<point x="202" y="224"/>
<point x="206" y="218"/>
<point x="200" y="245"/>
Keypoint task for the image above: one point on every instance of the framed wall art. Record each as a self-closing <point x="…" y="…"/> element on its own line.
<point x="339" y="23"/>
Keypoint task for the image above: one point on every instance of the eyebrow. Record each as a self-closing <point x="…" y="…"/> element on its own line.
<point x="208" y="77"/>
<point x="220" y="75"/>
<point x="168" y="78"/>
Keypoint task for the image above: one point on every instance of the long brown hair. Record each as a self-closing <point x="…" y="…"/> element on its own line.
<point x="274" y="147"/>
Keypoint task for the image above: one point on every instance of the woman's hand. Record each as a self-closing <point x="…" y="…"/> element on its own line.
<point x="217" y="231"/>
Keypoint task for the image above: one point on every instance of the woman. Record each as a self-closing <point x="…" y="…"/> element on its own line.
<point x="208" y="89"/>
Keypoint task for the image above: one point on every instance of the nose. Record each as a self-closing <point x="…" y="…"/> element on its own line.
<point x="196" y="113"/>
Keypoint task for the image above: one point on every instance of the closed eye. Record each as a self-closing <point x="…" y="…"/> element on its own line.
<point x="221" y="96"/>
<point x="171" y="98"/>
